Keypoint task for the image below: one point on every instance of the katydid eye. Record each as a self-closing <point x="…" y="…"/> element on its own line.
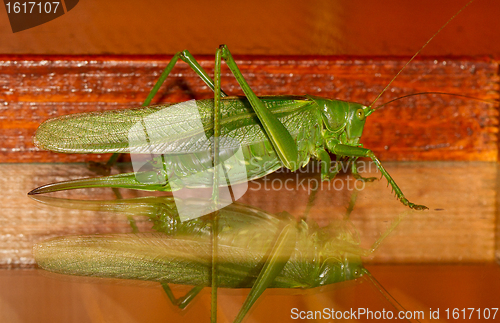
<point x="360" y="113"/>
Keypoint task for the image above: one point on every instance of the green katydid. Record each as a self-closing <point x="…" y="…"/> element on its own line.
<point x="273" y="132"/>
<point x="256" y="250"/>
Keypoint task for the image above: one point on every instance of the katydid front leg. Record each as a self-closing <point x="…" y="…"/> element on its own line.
<point x="346" y="150"/>
<point x="325" y="160"/>
<point x="354" y="171"/>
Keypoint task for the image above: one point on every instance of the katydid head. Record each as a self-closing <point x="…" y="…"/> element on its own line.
<point x="356" y="118"/>
<point x="353" y="268"/>
<point x="332" y="271"/>
<point x="338" y="115"/>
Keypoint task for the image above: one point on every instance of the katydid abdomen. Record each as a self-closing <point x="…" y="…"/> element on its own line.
<point x="187" y="148"/>
<point x="186" y="260"/>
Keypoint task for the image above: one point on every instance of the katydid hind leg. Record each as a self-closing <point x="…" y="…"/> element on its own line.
<point x="276" y="260"/>
<point x="104" y="169"/>
<point x="182" y="301"/>
<point x="215" y="187"/>
<point x="195" y="66"/>
<point x="282" y="141"/>
<point x="186" y="57"/>
<point x="346" y="150"/>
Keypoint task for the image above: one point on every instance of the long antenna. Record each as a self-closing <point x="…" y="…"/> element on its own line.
<point x="492" y="101"/>
<point x="384" y="292"/>
<point x="418" y="52"/>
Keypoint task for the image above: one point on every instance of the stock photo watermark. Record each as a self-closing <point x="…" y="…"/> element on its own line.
<point x="297" y="183"/>
<point x="362" y="313"/>
<point x="296" y="180"/>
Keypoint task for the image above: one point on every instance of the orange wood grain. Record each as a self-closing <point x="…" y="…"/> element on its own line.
<point x="430" y="127"/>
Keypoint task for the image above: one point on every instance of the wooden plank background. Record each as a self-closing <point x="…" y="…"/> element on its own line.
<point x="357" y="46"/>
<point x="353" y="46"/>
<point x="426" y="127"/>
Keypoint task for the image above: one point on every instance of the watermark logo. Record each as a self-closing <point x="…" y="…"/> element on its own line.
<point x="28" y="14"/>
<point x="171" y="147"/>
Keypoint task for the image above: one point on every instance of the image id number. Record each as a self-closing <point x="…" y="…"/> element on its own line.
<point x="32" y="7"/>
